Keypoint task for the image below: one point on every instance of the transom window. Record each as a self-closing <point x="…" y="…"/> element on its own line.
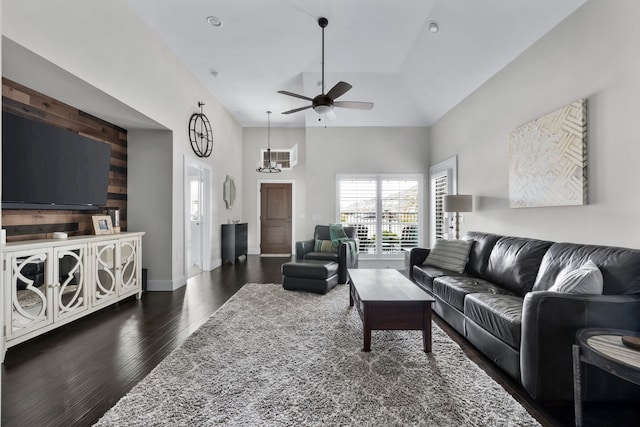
<point x="385" y="209"/>
<point x="286" y="158"/>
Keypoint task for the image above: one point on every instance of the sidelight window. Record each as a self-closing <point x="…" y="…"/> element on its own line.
<point x="442" y="181"/>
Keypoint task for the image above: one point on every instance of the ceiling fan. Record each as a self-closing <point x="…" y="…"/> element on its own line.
<point x="323" y="104"/>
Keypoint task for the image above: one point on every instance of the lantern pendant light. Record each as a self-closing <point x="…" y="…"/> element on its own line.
<point x="269" y="166"/>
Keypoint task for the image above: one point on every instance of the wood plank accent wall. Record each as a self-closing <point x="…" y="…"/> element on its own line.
<point x="25" y="224"/>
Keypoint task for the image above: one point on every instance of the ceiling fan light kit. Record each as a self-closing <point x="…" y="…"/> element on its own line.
<point x="323" y="104"/>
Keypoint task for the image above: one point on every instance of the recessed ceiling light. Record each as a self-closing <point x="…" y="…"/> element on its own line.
<point x="433" y="27"/>
<point x="214" y="21"/>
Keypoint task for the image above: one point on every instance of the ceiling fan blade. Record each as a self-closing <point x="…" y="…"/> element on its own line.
<point x="357" y="105"/>
<point x="284" y="92"/>
<point x="339" y="89"/>
<point x="295" y="110"/>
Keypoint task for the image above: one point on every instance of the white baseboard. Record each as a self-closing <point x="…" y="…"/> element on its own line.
<point x="166" y="285"/>
<point x="256" y="251"/>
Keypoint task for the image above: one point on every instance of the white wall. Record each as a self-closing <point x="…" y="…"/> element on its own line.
<point x="323" y="153"/>
<point x="254" y="140"/>
<point x="149" y="201"/>
<point x="332" y="151"/>
<point x="592" y="54"/>
<point x="106" y="45"/>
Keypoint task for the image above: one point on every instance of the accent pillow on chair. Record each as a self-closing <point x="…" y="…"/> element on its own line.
<point x="325" y="246"/>
<point x="584" y="280"/>
<point x="449" y="254"/>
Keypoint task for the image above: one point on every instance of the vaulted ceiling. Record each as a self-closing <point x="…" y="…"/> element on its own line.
<point x="382" y="47"/>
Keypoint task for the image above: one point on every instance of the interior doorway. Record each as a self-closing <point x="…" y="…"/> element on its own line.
<point x="197" y="217"/>
<point x="276" y="218"/>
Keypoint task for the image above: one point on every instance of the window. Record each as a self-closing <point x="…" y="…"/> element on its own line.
<point x="195" y="191"/>
<point x="385" y="209"/>
<point x="442" y="181"/>
<point x="287" y="159"/>
<point x="439" y="190"/>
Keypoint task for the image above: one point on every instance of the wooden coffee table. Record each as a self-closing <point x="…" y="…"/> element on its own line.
<point x="386" y="299"/>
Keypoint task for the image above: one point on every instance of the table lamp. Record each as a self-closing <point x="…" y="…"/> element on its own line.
<point x="458" y="203"/>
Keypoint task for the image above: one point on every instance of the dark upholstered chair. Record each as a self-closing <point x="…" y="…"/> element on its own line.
<point x="305" y="250"/>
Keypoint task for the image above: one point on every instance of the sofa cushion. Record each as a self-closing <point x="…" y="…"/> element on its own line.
<point x="584" y="280"/>
<point x="514" y="263"/>
<point x="449" y="254"/>
<point x="500" y="315"/>
<point x="620" y="267"/>
<point x="483" y="243"/>
<point x="453" y="290"/>
<point x="424" y="275"/>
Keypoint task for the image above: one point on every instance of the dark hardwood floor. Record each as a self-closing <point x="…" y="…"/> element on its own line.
<point x="73" y="375"/>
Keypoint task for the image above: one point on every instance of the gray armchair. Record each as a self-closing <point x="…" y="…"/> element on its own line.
<point x="305" y="250"/>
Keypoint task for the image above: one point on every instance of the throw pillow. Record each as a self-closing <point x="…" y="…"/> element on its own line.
<point x="584" y="280"/>
<point x="324" y="246"/>
<point x="449" y="254"/>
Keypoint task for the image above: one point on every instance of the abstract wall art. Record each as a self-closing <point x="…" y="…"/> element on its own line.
<point x="548" y="159"/>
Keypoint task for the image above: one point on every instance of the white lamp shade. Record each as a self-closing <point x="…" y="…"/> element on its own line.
<point x="458" y="203"/>
<point x="323" y="109"/>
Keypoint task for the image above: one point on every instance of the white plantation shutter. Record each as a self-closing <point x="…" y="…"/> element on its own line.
<point x="442" y="181"/>
<point x="358" y="207"/>
<point x="439" y="191"/>
<point x="399" y="214"/>
<point x="385" y="209"/>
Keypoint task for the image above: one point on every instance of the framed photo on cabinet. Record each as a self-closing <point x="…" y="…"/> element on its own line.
<point x="102" y="224"/>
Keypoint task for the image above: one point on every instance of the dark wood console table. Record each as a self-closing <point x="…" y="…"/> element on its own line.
<point x="233" y="241"/>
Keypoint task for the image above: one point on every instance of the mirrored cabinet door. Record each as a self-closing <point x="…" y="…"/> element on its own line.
<point x="105" y="273"/>
<point x="70" y="271"/>
<point x="27" y="286"/>
<point x="48" y="283"/>
<point x="128" y="258"/>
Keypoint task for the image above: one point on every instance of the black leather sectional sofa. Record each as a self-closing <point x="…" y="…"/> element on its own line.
<point x="502" y="305"/>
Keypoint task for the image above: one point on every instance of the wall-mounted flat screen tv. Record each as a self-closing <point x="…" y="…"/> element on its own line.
<point x="46" y="167"/>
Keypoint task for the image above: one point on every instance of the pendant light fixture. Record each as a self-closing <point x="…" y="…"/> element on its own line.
<point x="269" y="166"/>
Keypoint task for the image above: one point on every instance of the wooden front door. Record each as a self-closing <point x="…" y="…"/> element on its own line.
<point x="275" y="218"/>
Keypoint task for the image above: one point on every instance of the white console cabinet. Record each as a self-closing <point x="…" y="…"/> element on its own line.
<point x="48" y="283"/>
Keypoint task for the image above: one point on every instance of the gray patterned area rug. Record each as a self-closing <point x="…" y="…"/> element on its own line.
<point x="271" y="357"/>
